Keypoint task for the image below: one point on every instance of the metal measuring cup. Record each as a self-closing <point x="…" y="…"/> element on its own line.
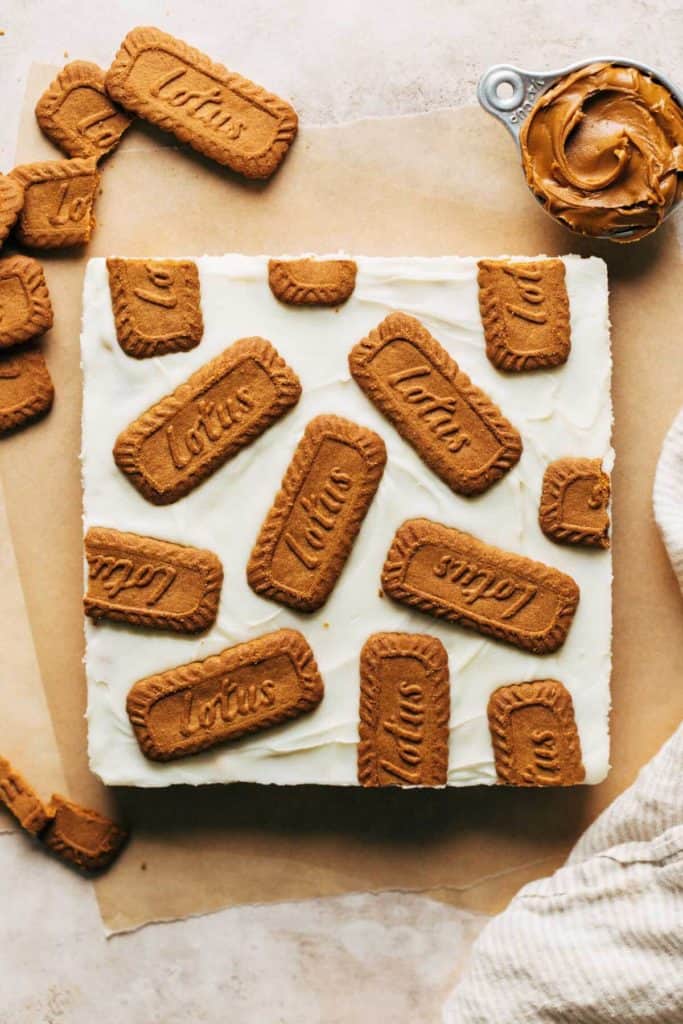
<point x="527" y="86"/>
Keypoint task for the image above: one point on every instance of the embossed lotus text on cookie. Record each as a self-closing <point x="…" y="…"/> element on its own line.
<point x="453" y="426"/>
<point x="219" y="113"/>
<point x="26" y="390"/>
<point x="534" y="735"/>
<point x="404" y="711"/>
<point x="25" y="307"/>
<point x="149" y="582"/>
<point x="156" y="305"/>
<point x="325" y="494"/>
<point x="11" y="202"/>
<point x="575" y="501"/>
<point x="82" y="837"/>
<point x="76" y="113"/>
<point x="219" y="410"/>
<point x="452" y="575"/>
<point x="20" y="800"/>
<point x="525" y="313"/>
<point x="253" y="686"/>
<point x="59" y="196"/>
<point x="310" y="282"/>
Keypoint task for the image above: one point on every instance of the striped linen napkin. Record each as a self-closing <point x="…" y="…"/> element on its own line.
<point x="601" y="941"/>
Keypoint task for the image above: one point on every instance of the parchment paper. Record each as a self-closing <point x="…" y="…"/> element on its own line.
<point x="27" y="738"/>
<point x="448" y="182"/>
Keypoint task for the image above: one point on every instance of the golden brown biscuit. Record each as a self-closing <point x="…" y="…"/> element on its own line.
<point x="156" y="305"/>
<point x="19" y="798"/>
<point x="534" y="735"/>
<point x="11" y="202"/>
<point x="452" y="425"/>
<point x="325" y="494"/>
<point x="224" y="406"/>
<point x="26" y="390"/>
<point x="219" y="113"/>
<point x="454" y="576"/>
<point x="25" y="307"/>
<point x="310" y="282"/>
<point x="253" y="686"/>
<point x="525" y="313"/>
<point x="59" y="196"/>
<point x="149" y="582"/>
<point x="575" y="501"/>
<point x="404" y="710"/>
<point x="77" y="115"/>
<point x="83" y="837"/>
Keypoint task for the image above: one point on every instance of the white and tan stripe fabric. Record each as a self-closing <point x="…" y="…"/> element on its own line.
<point x="601" y="941"/>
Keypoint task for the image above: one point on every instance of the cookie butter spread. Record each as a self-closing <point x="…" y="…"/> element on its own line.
<point x="603" y="151"/>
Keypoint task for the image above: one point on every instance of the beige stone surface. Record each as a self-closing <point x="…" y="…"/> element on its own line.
<point x="342" y="961"/>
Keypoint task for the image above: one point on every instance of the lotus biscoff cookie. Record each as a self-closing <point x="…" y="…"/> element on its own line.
<point x="311" y="282"/>
<point x="20" y="800"/>
<point x="253" y="686"/>
<point x="156" y="306"/>
<point x="11" y="202"/>
<point x="59" y="196"/>
<point x="25" y="307"/>
<point x="26" y="390"/>
<point x="452" y="575"/>
<point x="404" y="711"/>
<point x="326" y="492"/>
<point x="575" y="501"/>
<point x="150" y="582"/>
<point x="84" y="838"/>
<point x="216" y="111"/>
<point x="77" y="115"/>
<point x="525" y="313"/>
<point x="534" y="735"/>
<point x="219" y="410"/>
<point x="454" y="427"/>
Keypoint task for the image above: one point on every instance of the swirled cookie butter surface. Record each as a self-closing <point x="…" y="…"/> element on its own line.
<point x="603" y="151"/>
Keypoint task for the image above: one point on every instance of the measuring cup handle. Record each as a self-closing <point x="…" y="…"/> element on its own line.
<point x="511" y="105"/>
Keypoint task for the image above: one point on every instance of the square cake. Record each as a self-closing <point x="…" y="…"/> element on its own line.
<point x="465" y="559"/>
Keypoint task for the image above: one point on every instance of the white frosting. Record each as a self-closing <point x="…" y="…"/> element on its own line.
<point x="561" y="412"/>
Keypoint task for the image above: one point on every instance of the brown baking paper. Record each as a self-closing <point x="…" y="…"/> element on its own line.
<point x="27" y="739"/>
<point x="447" y="182"/>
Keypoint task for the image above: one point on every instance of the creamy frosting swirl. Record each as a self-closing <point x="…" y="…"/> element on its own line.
<point x="603" y="151"/>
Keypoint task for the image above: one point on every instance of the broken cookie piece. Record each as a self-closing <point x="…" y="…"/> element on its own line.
<point x="59" y="196"/>
<point x="26" y="390"/>
<point x="310" y="282"/>
<point x="156" y="306"/>
<point x="534" y="735"/>
<point x="25" y="307"/>
<point x="85" y="838"/>
<point x="525" y="313"/>
<point x="11" y="202"/>
<point x="20" y="800"/>
<point x="575" y="502"/>
<point x="77" y="115"/>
